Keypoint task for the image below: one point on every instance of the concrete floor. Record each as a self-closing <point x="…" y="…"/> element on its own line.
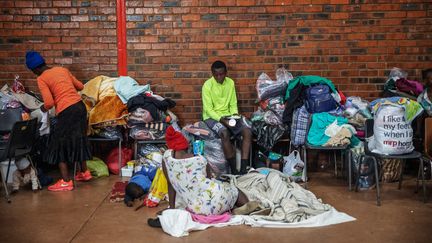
<point x="86" y="215"/>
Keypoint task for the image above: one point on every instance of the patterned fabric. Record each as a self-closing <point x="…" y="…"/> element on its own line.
<point x="202" y="195"/>
<point x="425" y="102"/>
<point x="390" y="170"/>
<point x="299" y="126"/>
<point x="288" y="201"/>
<point x="411" y="107"/>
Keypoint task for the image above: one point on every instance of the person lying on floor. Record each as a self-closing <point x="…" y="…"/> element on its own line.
<point x="220" y="113"/>
<point x="188" y="177"/>
<point x="137" y="187"/>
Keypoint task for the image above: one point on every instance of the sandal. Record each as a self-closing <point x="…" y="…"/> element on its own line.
<point x="155" y="223"/>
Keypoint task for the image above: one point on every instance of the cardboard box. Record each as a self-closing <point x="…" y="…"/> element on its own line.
<point x="126" y="172"/>
<point x="4" y="167"/>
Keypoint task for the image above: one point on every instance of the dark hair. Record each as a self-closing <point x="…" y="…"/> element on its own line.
<point x="426" y="72"/>
<point x="217" y="65"/>
<point x="133" y="191"/>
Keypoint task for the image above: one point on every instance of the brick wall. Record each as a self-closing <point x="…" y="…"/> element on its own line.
<point x="171" y="44"/>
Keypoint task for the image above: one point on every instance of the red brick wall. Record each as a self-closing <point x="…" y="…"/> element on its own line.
<point x="171" y="44"/>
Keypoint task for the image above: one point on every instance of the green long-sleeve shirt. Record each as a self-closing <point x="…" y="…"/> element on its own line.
<point x="219" y="99"/>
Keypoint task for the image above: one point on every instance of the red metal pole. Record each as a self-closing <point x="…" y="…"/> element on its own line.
<point x="121" y="38"/>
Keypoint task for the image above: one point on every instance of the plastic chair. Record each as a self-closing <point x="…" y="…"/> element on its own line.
<point x="343" y="150"/>
<point x="8" y="118"/>
<point x="20" y="143"/>
<point x="375" y="157"/>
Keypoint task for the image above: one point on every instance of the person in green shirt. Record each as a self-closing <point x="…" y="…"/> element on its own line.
<point x="220" y="113"/>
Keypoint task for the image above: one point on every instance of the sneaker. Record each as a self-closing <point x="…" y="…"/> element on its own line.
<point x="83" y="176"/>
<point x="61" y="185"/>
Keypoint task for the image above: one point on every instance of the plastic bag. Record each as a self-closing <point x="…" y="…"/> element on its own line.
<point x="392" y="133"/>
<point x="17" y="86"/>
<point x="282" y="75"/>
<point x="139" y="132"/>
<point x="293" y="166"/>
<point x="213" y="152"/>
<point x="272" y="118"/>
<point x="397" y="73"/>
<point x="112" y="159"/>
<point x="365" y="176"/>
<point x="158" y="190"/>
<point x="97" y="167"/>
<point x="111" y="132"/>
<point x="147" y="149"/>
<point x="267" y="88"/>
<point x="141" y="115"/>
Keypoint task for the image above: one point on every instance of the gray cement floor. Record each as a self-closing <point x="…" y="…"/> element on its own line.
<point x="86" y="215"/>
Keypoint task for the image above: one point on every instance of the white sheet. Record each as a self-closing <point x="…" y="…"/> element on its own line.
<point x="178" y="222"/>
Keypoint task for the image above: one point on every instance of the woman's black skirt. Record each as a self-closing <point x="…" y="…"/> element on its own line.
<point x="68" y="141"/>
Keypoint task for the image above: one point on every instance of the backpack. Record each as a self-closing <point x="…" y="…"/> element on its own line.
<point x="319" y="99"/>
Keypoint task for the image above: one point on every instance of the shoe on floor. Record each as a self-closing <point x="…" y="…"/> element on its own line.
<point x="61" y="185"/>
<point x="83" y="176"/>
<point x="155" y="223"/>
<point x="246" y="209"/>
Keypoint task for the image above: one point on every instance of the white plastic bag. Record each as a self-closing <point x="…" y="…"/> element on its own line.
<point x="293" y="166"/>
<point x="267" y="88"/>
<point x="392" y="133"/>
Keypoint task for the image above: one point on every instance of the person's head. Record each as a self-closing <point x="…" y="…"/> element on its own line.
<point x="133" y="191"/>
<point x="427" y="77"/>
<point x="219" y="71"/>
<point x="35" y="62"/>
<point x="175" y="140"/>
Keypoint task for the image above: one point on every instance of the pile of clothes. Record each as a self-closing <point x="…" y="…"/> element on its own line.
<point x="267" y="123"/>
<point x="398" y="84"/>
<point x="16" y="97"/>
<point x="113" y="103"/>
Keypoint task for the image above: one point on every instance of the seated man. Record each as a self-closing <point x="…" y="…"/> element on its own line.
<point x="220" y="114"/>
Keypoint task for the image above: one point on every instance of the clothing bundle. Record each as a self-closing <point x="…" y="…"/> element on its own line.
<point x="119" y="101"/>
<point x="392" y="129"/>
<point x="398" y="84"/>
<point x="267" y="123"/>
<point x="103" y="105"/>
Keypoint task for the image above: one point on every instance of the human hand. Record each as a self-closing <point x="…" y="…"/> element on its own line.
<point x="224" y="121"/>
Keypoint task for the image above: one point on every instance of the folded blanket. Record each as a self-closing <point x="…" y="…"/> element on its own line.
<point x="110" y="108"/>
